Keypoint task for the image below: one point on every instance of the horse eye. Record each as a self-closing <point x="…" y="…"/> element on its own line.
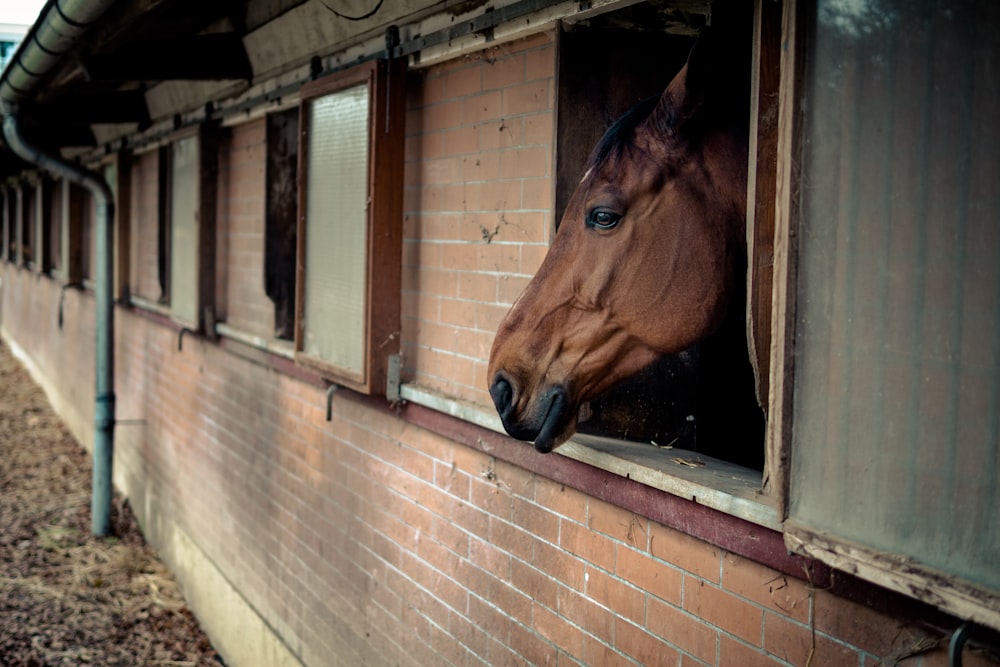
<point x="602" y="218"/>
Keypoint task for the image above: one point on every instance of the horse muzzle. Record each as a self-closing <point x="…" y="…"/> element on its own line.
<point x="544" y="424"/>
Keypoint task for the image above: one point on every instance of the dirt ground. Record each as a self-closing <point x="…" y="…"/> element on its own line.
<point x="67" y="598"/>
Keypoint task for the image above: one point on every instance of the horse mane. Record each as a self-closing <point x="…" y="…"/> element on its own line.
<point x="622" y="131"/>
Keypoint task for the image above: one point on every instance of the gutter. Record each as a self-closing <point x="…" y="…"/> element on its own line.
<point x="59" y="28"/>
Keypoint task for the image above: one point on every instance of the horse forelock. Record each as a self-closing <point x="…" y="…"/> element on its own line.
<point x="620" y="135"/>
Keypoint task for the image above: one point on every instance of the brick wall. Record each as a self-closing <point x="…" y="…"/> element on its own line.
<point x="371" y="540"/>
<point x="478" y="196"/>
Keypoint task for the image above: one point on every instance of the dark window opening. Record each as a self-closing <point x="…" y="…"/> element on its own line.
<point x="9" y="225"/>
<point x="704" y="399"/>
<point x="87" y="236"/>
<point x="27" y="225"/>
<point x="162" y="224"/>
<point x="52" y="234"/>
<point x="281" y="221"/>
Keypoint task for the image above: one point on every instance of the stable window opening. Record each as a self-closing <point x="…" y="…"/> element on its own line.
<point x="700" y="406"/>
<point x="29" y="225"/>
<point x="52" y="220"/>
<point x="280" y="220"/>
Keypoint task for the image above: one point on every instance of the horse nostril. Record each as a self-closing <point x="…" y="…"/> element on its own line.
<point x="502" y="394"/>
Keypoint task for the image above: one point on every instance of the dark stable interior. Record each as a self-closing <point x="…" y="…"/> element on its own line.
<point x="703" y="399"/>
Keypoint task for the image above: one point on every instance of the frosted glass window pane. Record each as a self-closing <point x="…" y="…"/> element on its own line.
<point x="897" y="355"/>
<point x="336" y="229"/>
<point x="184" y="229"/>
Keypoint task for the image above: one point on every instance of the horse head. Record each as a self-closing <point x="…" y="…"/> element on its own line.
<point x="646" y="256"/>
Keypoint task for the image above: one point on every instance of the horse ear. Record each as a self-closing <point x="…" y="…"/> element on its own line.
<point x="716" y="78"/>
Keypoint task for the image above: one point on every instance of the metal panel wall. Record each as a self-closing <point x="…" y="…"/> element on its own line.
<point x="897" y="335"/>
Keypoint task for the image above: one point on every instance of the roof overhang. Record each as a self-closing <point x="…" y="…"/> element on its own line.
<point x="93" y="75"/>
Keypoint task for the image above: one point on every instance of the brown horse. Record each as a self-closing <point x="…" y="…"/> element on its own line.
<point x="647" y="258"/>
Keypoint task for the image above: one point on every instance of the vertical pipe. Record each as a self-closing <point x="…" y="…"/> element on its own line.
<point x="104" y="406"/>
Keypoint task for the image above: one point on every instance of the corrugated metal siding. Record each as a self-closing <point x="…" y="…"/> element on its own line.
<point x="897" y="343"/>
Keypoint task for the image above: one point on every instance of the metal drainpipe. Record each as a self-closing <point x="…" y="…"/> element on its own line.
<point x="104" y="407"/>
<point x="60" y="26"/>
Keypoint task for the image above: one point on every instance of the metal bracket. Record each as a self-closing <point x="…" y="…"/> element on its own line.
<point x="392" y="378"/>
<point x="330" y="391"/>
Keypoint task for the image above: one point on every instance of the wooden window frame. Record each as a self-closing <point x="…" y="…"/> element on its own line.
<point x="897" y="572"/>
<point x="741" y="494"/>
<point x="386" y="95"/>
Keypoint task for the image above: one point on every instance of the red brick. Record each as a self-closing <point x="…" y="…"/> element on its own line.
<point x="501" y="133"/>
<point x="532" y="645"/>
<point x="617" y="523"/>
<point x="504" y="72"/>
<point x="766" y="587"/>
<point x="637" y="568"/>
<point x="490" y="557"/>
<point x="539" y="585"/>
<point x="586" y="614"/>
<point x="490" y="618"/>
<point x="688" y="661"/>
<point x="478" y="287"/>
<point x="432" y="227"/>
<point x="481" y="167"/>
<point x="557" y="630"/>
<point x="455" y="367"/>
<point x="530" y="97"/>
<point x="540" y="64"/>
<point x="510" y="287"/>
<point x="733" y="652"/>
<point x="539" y="130"/>
<point x="789" y="641"/>
<point x="489" y="494"/>
<point x="483" y="107"/>
<point x="536" y="193"/>
<point x="439" y="116"/>
<point x="855" y="624"/>
<point x="799" y="645"/>
<point x="469" y="518"/>
<point x="686" y="552"/>
<point x="561" y="566"/>
<point x="596" y="652"/>
<point x="529" y="162"/>
<point x="641" y="645"/>
<point x="524" y="227"/>
<point x="535" y="520"/>
<point x="459" y="140"/>
<point x="446" y="647"/>
<point x="723" y="609"/>
<point x="588" y="545"/>
<point x="463" y="82"/>
<point x="441" y="171"/>
<point x="489" y="316"/>
<point x="625" y="600"/>
<point x="498" y="195"/>
<point x="467" y="633"/>
<point x="682" y="630"/>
